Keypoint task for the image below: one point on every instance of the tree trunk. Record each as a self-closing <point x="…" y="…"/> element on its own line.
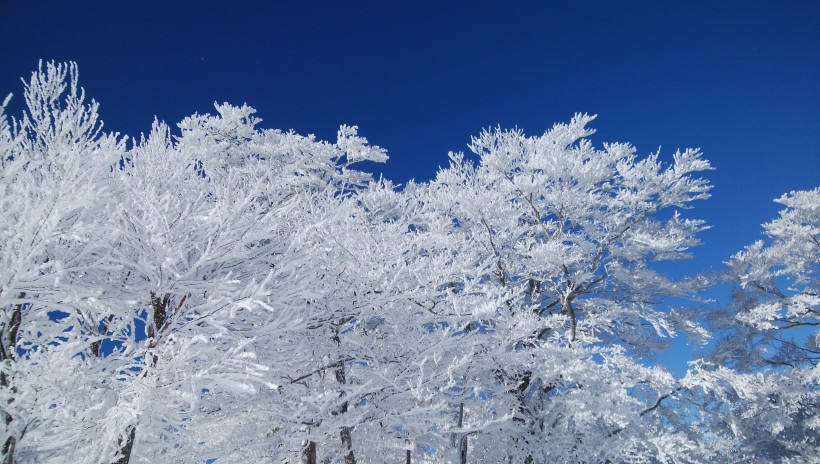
<point x="95" y="346"/>
<point x="160" y="314"/>
<point x="8" y="449"/>
<point x="153" y="327"/>
<point x="127" y="446"/>
<point x="310" y="453"/>
<point x="460" y="441"/>
<point x="344" y="432"/>
<point x="347" y="441"/>
<point x="8" y="348"/>
<point x="568" y="309"/>
<point x="407" y="457"/>
<point x="14" y="325"/>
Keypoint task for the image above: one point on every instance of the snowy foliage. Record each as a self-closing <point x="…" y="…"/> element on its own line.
<point x="249" y="295"/>
<point x="765" y="369"/>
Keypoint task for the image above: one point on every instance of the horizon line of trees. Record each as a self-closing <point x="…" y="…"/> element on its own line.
<point x="231" y="293"/>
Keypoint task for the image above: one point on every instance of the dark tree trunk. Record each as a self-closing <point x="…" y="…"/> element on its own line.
<point x="127" y="446"/>
<point x="347" y="442"/>
<point x="8" y="449"/>
<point x="310" y="453"/>
<point x="8" y="348"/>
<point x="460" y="441"/>
<point x="407" y="457"/>
<point x="126" y="442"/>
<point x="153" y="328"/>
<point x="8" y="341"/>
<point x="95" y="346"/>
<point x="14" y="326"/>
<point x="160" y="313"/>
<point x="344" y="432"/>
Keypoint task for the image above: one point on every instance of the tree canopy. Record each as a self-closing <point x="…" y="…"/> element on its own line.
<point x="225" y="292"/>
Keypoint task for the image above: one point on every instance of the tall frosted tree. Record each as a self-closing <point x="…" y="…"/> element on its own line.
<point x="54" y="161"/>
<point x="761" y="382"/>
<point x="147" y="275"/>
<point x="569" y="235"/>
<point x="216" y="236"/>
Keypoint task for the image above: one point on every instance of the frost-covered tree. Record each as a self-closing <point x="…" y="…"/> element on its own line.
<point x="778" y="278"/>
<point x="380" y="334"/>
<point x="53" y="161"/>
<point x="761" y="382"/>
<point x="153" y="273"/>
<point x="569" y="235"/>
<point x="218" y="241"/>
<point x="409" y="340"/>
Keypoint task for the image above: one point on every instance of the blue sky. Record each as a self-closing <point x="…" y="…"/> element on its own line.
<point x="741" y="80"/>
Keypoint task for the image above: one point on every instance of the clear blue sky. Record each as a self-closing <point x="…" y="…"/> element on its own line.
<point x="741" y="80"/>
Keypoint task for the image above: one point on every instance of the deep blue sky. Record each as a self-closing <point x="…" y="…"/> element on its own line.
<point x="741" y="80"/>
